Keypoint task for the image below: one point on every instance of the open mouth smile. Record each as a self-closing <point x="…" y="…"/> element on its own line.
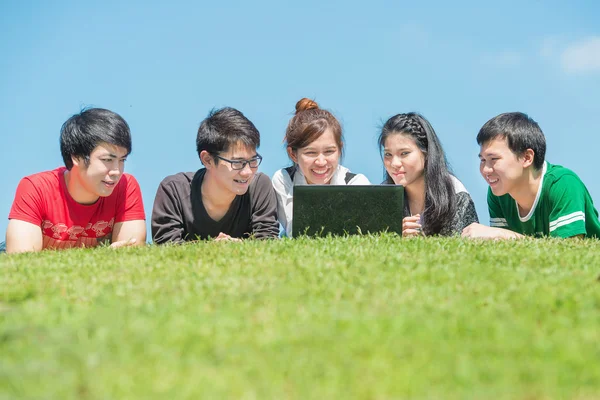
<point x="492" y="181"/>
<point x="320" y="172"/>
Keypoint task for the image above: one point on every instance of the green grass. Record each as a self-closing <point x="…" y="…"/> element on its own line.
<point x="369" y="318"/>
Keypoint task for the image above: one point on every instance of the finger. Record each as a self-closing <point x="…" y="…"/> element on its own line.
<point x="411" y="232"/>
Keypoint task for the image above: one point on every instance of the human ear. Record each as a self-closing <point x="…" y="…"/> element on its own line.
<point x="528" y="156"/>
<point x="77" y="161"/>
<point x="206" y="158"/>
<point x="292" y="154"/>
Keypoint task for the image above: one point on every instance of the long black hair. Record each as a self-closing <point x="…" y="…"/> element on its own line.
<point x="439" y="189"/>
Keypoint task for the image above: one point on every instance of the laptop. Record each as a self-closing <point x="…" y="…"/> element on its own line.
<point x="339" y="209"/>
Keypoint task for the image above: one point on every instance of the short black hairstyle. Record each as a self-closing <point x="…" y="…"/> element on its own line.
<point x="81" y="133"/>
<point x="223" y="128"/>
<point x="521" y="133"/>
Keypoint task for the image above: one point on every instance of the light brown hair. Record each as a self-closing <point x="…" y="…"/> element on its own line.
<point x="309" y="123"/>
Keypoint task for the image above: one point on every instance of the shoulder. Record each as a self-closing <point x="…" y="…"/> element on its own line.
<point x="357" y="179"/>
<point x="260" y="181"/>
<point x="458" y="185"/>
<point x="463" y="199"/>
<point x="179" y="179"/>
<point x="344" y="176"/>
<point x="260" y="187"/>
<point x="129" y="180"/>
<point x="561" y="183"/>
<point x="557" y="174"/>
<point x="281" y="176"/>
<point x="282" y="180"/>
<point x="41" y="184"/>
<point x="46" y="177"/>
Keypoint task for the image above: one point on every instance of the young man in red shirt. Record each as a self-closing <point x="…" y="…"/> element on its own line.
<point x="89" y="201"/>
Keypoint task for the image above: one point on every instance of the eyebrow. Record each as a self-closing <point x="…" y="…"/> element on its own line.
<point x="113" y="155"/>
<point x="309" y="148"/>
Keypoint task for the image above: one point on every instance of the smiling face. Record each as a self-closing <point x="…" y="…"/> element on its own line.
<point x="403" y="160"/>
<point x="319" y="160"/>
<point x="98" y="177"/>
<point x="502" y="169"/>
<point x="227" y="178"/>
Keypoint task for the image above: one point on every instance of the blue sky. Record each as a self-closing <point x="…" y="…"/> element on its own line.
<point x="164" y="65"/>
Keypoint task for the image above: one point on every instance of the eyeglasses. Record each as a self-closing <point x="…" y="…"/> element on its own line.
<point x="241" y="164"/>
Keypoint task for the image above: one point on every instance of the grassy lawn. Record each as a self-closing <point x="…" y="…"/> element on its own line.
<point x="360" y="317"/>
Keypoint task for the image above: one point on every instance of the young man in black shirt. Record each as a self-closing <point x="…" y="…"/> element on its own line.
<point x="225" y="200"/>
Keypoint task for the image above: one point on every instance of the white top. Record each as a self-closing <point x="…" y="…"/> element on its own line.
<point x="458" y="185"/>
<point x="284" y="189"/>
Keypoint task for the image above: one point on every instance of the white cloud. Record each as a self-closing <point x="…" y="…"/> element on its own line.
<point x="582" y="56"/>
<point x="503" y="59"/>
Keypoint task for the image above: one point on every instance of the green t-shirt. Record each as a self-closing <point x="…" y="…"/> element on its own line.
<point x="562" y="208"/>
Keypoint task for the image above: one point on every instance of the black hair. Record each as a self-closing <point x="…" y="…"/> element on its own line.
<point x="83" y="132"/>
<point x="223" y="128"/>
<point x="439" y="189"/>
<point x="521" y="133"/>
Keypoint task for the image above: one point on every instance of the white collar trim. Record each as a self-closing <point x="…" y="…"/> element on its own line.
<point x="537" y="198"/>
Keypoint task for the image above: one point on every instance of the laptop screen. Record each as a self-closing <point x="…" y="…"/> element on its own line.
<point x="353" y="209"/>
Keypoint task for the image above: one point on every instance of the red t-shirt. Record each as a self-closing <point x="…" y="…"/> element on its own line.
<point x="43" y="199"/>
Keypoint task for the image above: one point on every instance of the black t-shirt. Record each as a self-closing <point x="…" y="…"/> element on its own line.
<point x="179" y="215"/>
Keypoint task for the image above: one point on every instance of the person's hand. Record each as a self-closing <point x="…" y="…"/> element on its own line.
<point x="479" y="231"/>
<point x="225" y="237"/>
<point x="411" y="226"/>
<point x="123" y="243"/>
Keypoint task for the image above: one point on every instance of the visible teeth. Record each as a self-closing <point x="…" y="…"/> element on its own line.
<point x="320" y="172"/>
<point x="240" y="181"/>
<point x="492" y="180"/>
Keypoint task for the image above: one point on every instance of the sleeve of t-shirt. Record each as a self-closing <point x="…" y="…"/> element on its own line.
<point x="281" y="180"/>
<point x="132" y="208"/>
<point x="465" y="211"/>
<point x="497" y="217"/>
<point x="28" y="205"/>
<point x="167" y="215"/>
<point x="264" y="209"/>
<point x="567" y="207"/>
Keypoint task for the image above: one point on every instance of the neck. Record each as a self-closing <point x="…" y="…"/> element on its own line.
<point x="526" y="191"/>
<point x="214" y="194"/>
<point x="76" y="190"/>
<point x="415" y="193"/>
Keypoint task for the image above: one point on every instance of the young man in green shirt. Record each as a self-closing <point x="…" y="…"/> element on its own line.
<point x="527" y="195"/>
